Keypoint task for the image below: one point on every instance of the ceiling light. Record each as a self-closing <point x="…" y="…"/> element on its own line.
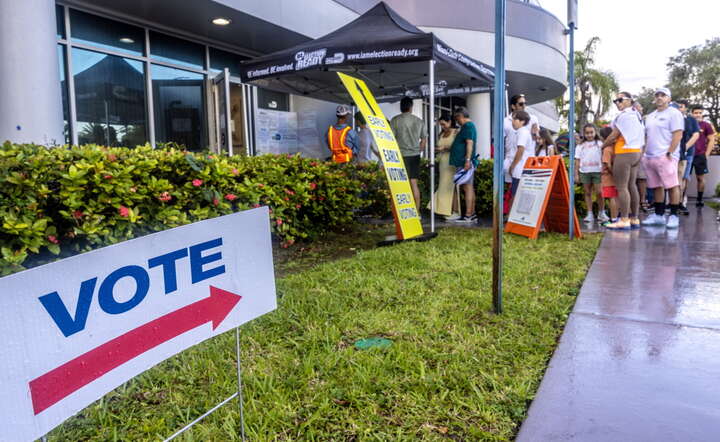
<point x="127" y="40"/>
<point x="221" y="21"/>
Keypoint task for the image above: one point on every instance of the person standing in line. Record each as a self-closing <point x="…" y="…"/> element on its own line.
<point x="445" y="204"/>
<point x="517" y="103"/>
<point x="703" y="148"/>
<point x="462" y="156"/>
<point x="588" y="168"/>
<point x="544" y="144"/>
<point x="367" y="149"/>
<point x="411" y="135"/>
<point x="609" y="190"/>
<point x="691" y="133"/>
<point x="627" y="140"/>
<point x="520" y="151"/>
<point x="663" y="129"/>
<point x="341" y="139"/>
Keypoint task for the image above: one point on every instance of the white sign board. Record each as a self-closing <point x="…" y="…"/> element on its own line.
<point x="530" y="197"/>
<point x="276" y="131"/>
<point x="76" y="329"/>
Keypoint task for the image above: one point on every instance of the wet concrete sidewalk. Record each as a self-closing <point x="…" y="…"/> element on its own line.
<point x="639" y="359"/>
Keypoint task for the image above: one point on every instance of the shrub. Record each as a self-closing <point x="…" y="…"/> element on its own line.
<point x="69" y="200"/>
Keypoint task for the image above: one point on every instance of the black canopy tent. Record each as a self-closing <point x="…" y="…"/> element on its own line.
<point x="394" y="57"/>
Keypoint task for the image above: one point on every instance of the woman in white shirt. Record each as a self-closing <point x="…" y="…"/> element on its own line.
<point x="588" y="165"/>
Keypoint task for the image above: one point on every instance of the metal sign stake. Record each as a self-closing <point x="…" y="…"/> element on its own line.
<point x="239" y="378"/>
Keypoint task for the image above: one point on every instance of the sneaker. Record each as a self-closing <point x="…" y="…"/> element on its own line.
<point x="589" y="218"/>
<point x="609" y="221"/>
<point x="634" y="223"/>
<point x="453" y="217"/>
<point x="603" y="218"/>
<point x="684" y="210"/>
<point x="654" y="220"/>
<point x="619" y="225"/>
<point x="673" y="222"/>
<point x="466" y="219"/>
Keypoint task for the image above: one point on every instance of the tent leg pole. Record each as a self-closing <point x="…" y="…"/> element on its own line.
<point x="499" y="142"/>
<point x="431" y="137"/>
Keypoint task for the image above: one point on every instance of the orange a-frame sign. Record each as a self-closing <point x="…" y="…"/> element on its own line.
<point x="542" y="197"/>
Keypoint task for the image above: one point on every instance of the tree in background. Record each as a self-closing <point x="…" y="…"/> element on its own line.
<point x="695" y="76"/>
<point x="594" y="88"/>
<point x="646" y="98"/>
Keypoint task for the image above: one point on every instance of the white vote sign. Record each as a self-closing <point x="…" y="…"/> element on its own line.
<point x="530" y="197"/>
<point x="76" y="329"/>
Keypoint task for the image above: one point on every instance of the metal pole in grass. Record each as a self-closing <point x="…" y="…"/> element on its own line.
<point x="431" y="138"/>
<point x="572" y="23"/>
<point x="237" y="394"/>
<point x="239" y="379"/>
<point x="499" y="142"/>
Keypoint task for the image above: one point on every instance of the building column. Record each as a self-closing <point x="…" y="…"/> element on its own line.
<point x="30" y="100"/>
<point x="480" y="112"/>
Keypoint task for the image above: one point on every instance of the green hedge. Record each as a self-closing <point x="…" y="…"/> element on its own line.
<point x="69" y="200"/>
<point x="63" y="201"/>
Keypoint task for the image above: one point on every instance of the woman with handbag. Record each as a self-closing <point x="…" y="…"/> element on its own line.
<point x="444" y="204"/>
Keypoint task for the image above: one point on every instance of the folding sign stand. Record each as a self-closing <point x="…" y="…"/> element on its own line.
<point x="408" y="224"/>
<point x="542" y="197"/>
<point x="238" y="394"/>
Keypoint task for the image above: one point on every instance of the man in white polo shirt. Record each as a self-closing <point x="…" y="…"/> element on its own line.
<point x="663" y="130"/>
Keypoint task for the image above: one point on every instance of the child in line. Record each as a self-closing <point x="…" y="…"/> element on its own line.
<point x="608" y="184"/>
<point x="588" y="166"/>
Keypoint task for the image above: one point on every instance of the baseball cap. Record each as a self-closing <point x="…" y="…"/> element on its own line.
<point x="663" y="90"/>
<point x="342" y="110"/>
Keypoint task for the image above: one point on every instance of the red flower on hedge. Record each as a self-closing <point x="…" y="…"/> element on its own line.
<point x="235" y="171"/>
<point x="286" y="199"/>
<point x="108" y="177"/>
<point x="313" y="186"/>
<point x="53" y="239"/>
<point x="112" y="157"/>
<point x="165" y="197"/>
<point x="289" y="192"/>
<point x="197" y="182"/>
<point x="322" y="198"/>
<point x="278" y="222"/>
<point x="124" y="211"/>
<point x="297" y="206"/>
<point x="216" y="201"/>
<point x="230" y="197"/>
<point x="256" y="205"/>
<point x="78" y="214"/>
<point x="261" y="185"/>
<point x="313" y="163"/>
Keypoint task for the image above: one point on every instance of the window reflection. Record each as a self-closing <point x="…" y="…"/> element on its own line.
<point x="220" y="60"/>
<point x="174" y="50"/>
<point x="105" y="33"/>
<point x="178" y="98"/>
<point x="110" y="99"/>
<point x="59" y="21"/>
<point x="63" y="92"/>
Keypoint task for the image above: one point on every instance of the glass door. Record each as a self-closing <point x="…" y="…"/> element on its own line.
<point x="223" y="127"/>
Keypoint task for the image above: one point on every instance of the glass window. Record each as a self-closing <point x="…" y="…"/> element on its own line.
<point x="60" y="21"/>
<point x="109" y="98"/>
<point x="220" y="60"/>
<point x="178" y="98"/>
<point x="174" y="50"/>
<point x="268" y="99"/>
<point x="105" y="33"/>
<point x="63" y="92"/>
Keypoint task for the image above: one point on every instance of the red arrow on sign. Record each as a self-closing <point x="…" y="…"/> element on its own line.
<point x="60" y="382"/>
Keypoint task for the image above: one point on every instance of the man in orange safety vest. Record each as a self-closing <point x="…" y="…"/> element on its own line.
<point x="341" y="139"/>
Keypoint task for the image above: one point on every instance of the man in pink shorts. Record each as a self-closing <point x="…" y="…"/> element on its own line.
<point x="663" y="132"/>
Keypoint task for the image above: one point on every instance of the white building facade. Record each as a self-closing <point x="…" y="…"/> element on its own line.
<point x="123" y="73"/>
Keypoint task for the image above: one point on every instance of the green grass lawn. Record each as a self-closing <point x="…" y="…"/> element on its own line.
<point x="454" y="370"/>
